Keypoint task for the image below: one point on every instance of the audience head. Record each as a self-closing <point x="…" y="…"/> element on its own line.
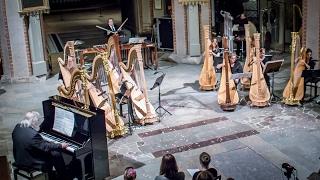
<point x="32" y="119"/>
<point x="130" y="173"/>
<point x="230" y="178"/>
<point x="205" y="159"/>
<point x="168" y="166"/>
<point x="205" y="175"/>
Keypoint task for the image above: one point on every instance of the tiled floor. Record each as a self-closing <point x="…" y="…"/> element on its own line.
<point x="249" y="143"/>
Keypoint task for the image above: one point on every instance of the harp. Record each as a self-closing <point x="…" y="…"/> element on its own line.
<point x="100" y="90"/>
<point x="77" y="78"/>
<point x="227" y="94"/>
<point x="259" y="92"/>
<point x="294" y="90"/>
<point x="68" y="63"/>
<point x="247" y="65"/>
<point x="133" y="73"/>
<point x="69" y="68"/>
<point x="114" y="57"/>
<point x="207" y="78"/>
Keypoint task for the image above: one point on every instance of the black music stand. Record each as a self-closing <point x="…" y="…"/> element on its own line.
<point x="272" y="67"/>
<point x="157" y="83"/>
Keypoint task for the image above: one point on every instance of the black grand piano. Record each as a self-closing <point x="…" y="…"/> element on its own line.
<point x="84" y="130"/>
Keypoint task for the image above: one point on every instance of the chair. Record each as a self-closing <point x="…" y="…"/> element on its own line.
<point x="313" y="84"/>
<point x="27" y="172"/>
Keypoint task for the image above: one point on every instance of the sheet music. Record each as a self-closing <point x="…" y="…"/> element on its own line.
<point x="63" y="121"/>
<point x="241" y="75"/>
<point x="273" y="66"/>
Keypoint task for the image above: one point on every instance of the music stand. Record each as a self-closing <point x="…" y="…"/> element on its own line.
<point x="272" y="67"/>
<point x="157" y="83"/>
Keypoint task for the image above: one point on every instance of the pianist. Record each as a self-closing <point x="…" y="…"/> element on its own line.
<point x="30" y="150"/>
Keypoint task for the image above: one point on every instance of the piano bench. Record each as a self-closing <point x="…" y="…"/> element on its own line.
<point x="27" y="172"/>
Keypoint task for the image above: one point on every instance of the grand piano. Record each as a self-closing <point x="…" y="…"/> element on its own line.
<point x="66" y="121"/>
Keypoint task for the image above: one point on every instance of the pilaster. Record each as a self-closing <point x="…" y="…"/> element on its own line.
<point x="36" y="46"/>
<point x="193" y="30"/>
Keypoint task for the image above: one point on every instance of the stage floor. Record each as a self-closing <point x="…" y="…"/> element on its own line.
<point x="247" y="144"/>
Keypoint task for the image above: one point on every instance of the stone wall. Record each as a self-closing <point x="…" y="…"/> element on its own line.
<point x="205" y="19"/>
<point x="6" y="54"/>
<point x="17" y="33"/>
<point x="319" y="40"/>
<point x="14" y="42"/>
<point x="311" y="26"/>
<point x="179" y="28"/>
<point x="182" y="25"/>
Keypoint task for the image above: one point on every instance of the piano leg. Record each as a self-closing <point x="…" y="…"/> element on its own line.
<point x="83" y="159"/>
<point x="83" y="169"/>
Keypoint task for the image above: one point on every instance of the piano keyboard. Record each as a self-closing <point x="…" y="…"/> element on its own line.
<point x="71" y="148"/>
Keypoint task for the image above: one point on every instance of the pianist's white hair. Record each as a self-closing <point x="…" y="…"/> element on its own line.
<point x="32" y="119"/>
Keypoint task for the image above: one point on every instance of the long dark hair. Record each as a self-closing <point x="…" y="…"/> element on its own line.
<point x="168" y="167"/>
<point x="205" y="175"/>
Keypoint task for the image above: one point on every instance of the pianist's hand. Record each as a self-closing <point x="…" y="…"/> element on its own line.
<point x="64" y="145"/>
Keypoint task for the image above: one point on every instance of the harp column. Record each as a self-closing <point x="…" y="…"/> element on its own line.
<point x="193" y="30"/>
<point x="36" y="46"/>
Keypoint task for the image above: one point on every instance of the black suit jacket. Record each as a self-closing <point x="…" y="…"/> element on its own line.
<point x="237" y="68"/>
<point x="109" y="28"/>
<point x="29" y="148"/>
